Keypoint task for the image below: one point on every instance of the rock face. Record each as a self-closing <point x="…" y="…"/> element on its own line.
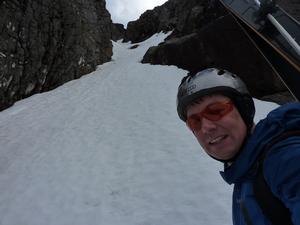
<point x="44" y="44"/>
<point x="117" y="31"/>
<point x="183" y="16"/>
<point x="205" y="35"/>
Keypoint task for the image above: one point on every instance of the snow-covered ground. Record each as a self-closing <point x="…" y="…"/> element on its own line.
<point x="109" y="149"/>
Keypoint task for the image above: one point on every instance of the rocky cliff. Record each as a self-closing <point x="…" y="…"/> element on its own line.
<point x="205" y="35"/>
<point x="44" y="44"/>
<point x="117" y="31"/>
<point x="182" y="16"/>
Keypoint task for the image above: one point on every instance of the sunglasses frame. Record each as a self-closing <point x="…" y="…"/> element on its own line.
<point x="209" y="115"/>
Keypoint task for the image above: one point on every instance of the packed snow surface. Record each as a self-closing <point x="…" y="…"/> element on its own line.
<point x="109" y="149"/>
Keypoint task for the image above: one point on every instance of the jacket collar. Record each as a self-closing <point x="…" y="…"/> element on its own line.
<point x="284" y="118"/>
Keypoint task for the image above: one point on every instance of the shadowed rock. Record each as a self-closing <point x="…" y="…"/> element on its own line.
<point x="44" y="44"/>
<point x="117" y="31"/>
<point x="182" y="16"/>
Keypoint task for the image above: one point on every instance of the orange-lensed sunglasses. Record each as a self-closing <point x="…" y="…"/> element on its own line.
<point x="212" y="112"/>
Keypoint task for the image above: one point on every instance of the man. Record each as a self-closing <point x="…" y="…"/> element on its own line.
<point x="217" y="107"/>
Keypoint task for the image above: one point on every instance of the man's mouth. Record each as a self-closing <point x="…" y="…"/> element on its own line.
<point x="217" y="139"/>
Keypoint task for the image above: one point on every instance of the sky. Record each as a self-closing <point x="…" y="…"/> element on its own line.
<point x="109" y="149"/>
<point x="123" y="11"/>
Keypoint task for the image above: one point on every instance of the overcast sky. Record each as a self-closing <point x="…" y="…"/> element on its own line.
<point x="123" y="11"/>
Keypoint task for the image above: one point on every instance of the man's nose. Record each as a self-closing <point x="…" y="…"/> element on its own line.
<point x="207" y="125"/>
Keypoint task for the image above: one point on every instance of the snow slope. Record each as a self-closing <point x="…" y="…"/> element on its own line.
<point x="109" y="149"/>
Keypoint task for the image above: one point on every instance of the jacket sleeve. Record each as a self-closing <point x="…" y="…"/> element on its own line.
<point x="282" y="173"/>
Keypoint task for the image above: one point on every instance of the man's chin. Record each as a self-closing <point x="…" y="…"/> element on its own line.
<point x="227" y="154"/>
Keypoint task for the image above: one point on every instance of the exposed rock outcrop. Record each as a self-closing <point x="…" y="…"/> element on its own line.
<point x="44" y="44"/>
<point x="182" y="16"/>
<point x="117" y="31"/>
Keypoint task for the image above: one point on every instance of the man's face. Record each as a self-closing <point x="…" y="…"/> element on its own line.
<point x="221" y="138"/>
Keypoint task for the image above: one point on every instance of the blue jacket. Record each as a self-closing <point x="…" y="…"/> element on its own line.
<point x="281" y="167"/>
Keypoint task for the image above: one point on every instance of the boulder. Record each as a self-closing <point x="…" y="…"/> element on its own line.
<point x="44" y="44"/>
